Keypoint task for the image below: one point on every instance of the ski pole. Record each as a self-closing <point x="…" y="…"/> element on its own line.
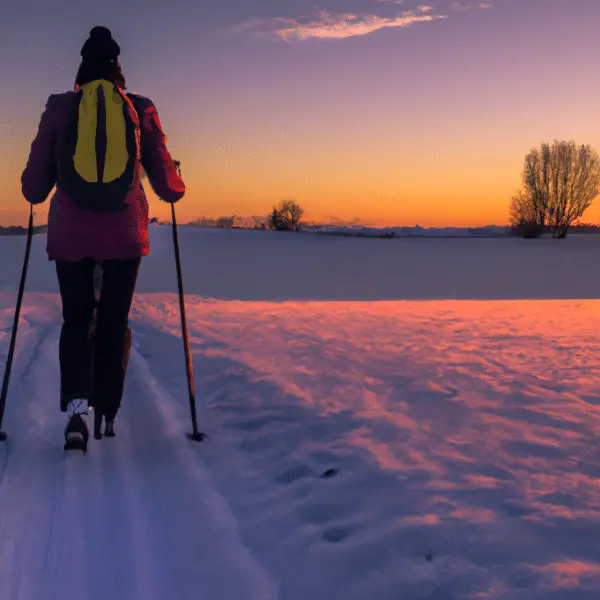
<point x="196" y="435"/>
<point x="13" y="339"/>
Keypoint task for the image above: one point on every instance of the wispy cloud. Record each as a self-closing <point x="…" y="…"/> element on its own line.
<point x="463" y="7"/>
<point x="421" y="7"/>
<point x="455" y="6"/>
<point x="326" y="24"/>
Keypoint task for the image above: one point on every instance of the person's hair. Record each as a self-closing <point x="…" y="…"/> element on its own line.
<point x="91" y="70"/>
<point x="100" y="59"/>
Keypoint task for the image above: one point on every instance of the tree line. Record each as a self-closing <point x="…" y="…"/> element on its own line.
<point x="286" y="216"/>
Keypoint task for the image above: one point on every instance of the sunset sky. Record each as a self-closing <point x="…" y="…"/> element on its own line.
<point x="397" y="112"/>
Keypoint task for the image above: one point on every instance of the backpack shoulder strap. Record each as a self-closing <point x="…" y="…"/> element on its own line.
<point x="138" y="102"/>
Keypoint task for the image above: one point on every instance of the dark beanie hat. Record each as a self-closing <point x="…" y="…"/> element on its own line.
<point x="100" y="46"/>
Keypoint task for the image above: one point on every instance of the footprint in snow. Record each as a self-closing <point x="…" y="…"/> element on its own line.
<point x="329" y="473"/>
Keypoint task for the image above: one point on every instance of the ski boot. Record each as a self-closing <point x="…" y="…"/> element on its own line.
<point x="76" y="433"/>
<point x="109" y="429"/>
<point x="109" y="426"/>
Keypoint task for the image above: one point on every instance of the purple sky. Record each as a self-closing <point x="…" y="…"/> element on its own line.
<point x="333" y="104"/>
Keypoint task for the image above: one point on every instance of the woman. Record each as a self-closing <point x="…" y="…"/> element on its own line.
<point x="95" y="339"/>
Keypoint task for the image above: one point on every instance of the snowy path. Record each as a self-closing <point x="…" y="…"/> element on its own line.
<point x="136" y="518"/>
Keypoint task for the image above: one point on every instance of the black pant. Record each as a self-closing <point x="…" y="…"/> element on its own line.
<point x="95" y="340"/>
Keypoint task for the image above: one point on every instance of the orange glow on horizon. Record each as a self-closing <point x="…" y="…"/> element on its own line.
<point x="242" y="170"/>
<point x="451" y="209"/>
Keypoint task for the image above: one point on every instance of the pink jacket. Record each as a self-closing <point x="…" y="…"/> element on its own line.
<point x="74" y="233"/>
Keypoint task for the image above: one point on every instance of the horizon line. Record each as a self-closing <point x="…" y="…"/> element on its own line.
<point x="342" y="225"/>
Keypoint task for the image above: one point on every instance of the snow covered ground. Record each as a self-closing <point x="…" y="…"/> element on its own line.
<point x="387" y="419"/>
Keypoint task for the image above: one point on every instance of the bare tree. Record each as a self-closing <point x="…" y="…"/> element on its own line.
<point x="286" y="217"/>
<point x="560" y="183"/>
<point x="524" y="216"/>
<point x="292" y="214"/>
<point x="576" y="183"/>
<point x="536" y="180"/>
<point x="227" y="222"/>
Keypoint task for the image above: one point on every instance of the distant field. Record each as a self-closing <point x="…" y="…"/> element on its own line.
<point x="277" y="266"/>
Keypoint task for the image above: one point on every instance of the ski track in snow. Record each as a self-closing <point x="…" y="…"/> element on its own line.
<point x="137" y="517"/>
